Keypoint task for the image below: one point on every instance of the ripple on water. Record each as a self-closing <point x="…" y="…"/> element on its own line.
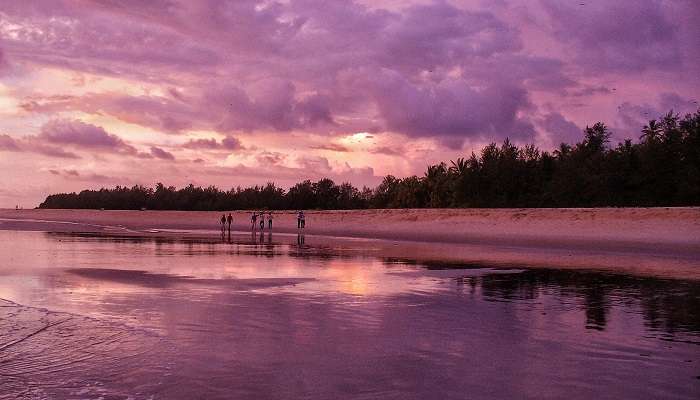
<point x="46" y="354"/>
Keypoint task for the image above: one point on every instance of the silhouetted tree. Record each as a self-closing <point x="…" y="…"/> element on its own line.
<point x="663" y="169"/>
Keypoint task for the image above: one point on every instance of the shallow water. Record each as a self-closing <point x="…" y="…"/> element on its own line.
<point x="92" y="317"/>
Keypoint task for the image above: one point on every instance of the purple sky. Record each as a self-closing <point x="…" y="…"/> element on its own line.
<point x="98" y="93"/>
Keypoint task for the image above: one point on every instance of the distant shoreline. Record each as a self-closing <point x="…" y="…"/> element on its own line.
<point x="662" y="242"/>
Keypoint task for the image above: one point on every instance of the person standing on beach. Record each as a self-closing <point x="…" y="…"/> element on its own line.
<point x="229" y="219"/>
<point x="269" y="221"/>
<point x="262" y="221"/>
<point x="302" y="217"/>
<point x="299" y="219"/>
<point x="223" y="223"/>
<point x="253" y="218"/>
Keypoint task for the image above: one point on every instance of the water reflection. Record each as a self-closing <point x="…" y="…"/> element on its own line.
<point x="666" y="305"/>
<point x="277" y="316"/>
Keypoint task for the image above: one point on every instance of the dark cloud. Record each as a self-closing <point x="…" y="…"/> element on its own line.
<point x="231" y="143"/>
<point x="591" y="90"/>
<point x="561" y="129"/>
<point x="632" y="116"/>
<point x="227" y="143"/>
<point x="73" y="174"/>
<point x="34" y="147"/>
<point x="432" y="69"/>
<point x="624" y="35"/>
<point x="80" y="134"/>
<point x="30" y="144"/>
<point x="157" y="152"/>
<point x="302" y="51"/>
<point x="452" y="108"/>
<point x="209" y="144"/>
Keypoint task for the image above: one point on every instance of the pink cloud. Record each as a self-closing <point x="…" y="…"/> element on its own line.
<point x="332" y="147"/>
<point x="448" y="72"/>
<point x="7" y="143"/>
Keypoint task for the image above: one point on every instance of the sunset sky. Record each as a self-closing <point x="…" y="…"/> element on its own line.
<point x="106" y="92"/>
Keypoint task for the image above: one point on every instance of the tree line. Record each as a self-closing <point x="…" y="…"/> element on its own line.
<point x="662" y="169"/>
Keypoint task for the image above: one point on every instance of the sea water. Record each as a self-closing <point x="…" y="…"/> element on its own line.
<point x="277" y="317"/>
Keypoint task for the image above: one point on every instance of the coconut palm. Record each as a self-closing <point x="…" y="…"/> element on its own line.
<point x="460" y="167"/>
<point x="651" y="131"/>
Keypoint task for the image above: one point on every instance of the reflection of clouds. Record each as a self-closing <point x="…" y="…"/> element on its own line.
<point x="57" y="268"/>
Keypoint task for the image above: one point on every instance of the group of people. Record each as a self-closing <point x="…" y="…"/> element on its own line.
<point x="254" y="218"/>
<point x="227" y="220"/>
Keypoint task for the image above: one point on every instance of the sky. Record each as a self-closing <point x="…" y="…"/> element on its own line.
<point x="98" y="93"/>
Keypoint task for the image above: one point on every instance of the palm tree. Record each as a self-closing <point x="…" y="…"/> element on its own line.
<point x="435" y="180"/>
<point x="651" y="131"/>
<point x="460" y="167"/>
<point x="563" y="151"/>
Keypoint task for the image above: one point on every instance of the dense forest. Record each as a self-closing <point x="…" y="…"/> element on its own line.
<point x="662" y="169"/>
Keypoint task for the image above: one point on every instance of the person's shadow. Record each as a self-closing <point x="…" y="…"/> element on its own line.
<point x="300" y="239"/>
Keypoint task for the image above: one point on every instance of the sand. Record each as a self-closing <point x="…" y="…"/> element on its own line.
<point x="662" y="242"/>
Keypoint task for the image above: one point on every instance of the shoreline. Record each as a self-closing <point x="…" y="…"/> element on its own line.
<point x="660" y="242"/>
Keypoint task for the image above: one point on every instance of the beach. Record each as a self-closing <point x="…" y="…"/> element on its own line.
<point x="527" y="304"/>
<point x="660" y="242"/>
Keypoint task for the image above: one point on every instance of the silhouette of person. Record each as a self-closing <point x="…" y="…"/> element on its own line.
<point x="229" y="219"/>
<point x="299" y="215"/>
<point x="223" y="223"/>
<point x="269" y="220"/>
<point x="262" y="221"/>
<point x="303" y="220"/>
<point x="253" y="218"/>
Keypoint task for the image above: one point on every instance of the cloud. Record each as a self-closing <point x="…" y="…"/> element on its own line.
<point x="7" y="143"/>
<point x="436" y="72"/>
<point x="385" y="150"/>
<point x="451" y="109"/>
<point x="227" y="143"/>
<point x="157" y="152"/>
<point x="632" y="116"/>
<point x="73" y="174"/>
<point x="331" y="147"/>
<point x="625" y="35"/>
<point x="304" y="50"/>
<point x="80" y="134"/>
<point x="3" y="62"/>
<point x="311" y="167"/>
<point x="561" y="129"/>
<point x="30" y="144"/>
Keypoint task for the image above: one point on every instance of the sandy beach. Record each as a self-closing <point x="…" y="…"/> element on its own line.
<point x="662" y="242"/>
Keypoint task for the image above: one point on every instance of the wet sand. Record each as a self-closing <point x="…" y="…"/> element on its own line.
<point x="661" y="242"/>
